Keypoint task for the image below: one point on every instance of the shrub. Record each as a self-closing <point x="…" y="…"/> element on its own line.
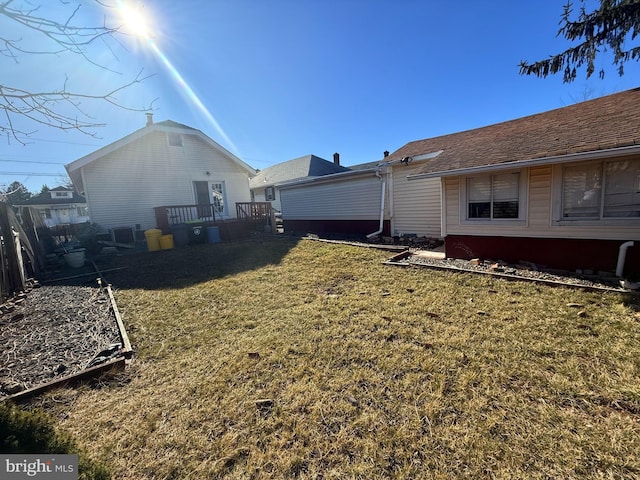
<point x="34" y="432"/>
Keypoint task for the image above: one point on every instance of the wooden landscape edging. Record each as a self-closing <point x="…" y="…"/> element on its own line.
<point x="115" y="364"/>
<point x="394" y="261"/>
<point x="127" y="351"/>
<point x="92" y="372"/>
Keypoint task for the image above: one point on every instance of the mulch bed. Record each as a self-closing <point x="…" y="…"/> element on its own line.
<point x="54" y="331"/>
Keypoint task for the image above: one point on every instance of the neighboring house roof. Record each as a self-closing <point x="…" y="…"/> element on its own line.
<point x="367" y="165"/>
<point x="73" y="168"/>
<point x="600" y="125"/>
<point x="334" y="177"/>
<point x="307" y="166"/>
<point x="45" y="198"/>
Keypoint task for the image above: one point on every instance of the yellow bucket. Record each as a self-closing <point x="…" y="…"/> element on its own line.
<point x="153" y="239"/>
<point x="166" y="242"/>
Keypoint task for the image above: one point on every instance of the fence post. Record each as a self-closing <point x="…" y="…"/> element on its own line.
<point x="15" y="272"/>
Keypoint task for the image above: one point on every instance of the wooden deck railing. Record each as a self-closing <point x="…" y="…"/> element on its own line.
<point x="176" y="214"/>
<point x="252" y="212"/>
<point x="257" y="212"/>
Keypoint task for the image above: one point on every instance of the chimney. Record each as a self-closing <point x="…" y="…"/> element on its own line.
<point x="386" y="153"/>
<point x="336" y="158"/>
<point x="149" y="119"/>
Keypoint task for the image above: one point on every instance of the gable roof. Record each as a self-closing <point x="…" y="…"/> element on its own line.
<point x="307" y="166"/>
<point x="73" y="168"/>
<point x="603" y="126"/>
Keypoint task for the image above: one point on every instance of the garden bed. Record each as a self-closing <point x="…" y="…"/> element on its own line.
<point x="54" y="333"/>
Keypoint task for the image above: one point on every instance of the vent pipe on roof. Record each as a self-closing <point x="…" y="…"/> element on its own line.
<point x="336" y="158"/>
<point x="149" y="118"/>
<point x="386" y="153"/>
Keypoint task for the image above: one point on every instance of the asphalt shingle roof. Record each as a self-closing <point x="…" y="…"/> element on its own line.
<point x="603" y="123"/>
<point x="307" y="166"/>
<point x="45" y="198"/>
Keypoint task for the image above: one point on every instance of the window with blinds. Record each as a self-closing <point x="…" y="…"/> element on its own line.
<point x="601" y="190"/>
<point x="494" y="196"/>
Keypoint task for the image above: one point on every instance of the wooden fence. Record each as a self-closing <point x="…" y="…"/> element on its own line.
<point x="23" y="248"/>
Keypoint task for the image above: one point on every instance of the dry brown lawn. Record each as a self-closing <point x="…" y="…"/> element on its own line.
<point x="284" y="359"/>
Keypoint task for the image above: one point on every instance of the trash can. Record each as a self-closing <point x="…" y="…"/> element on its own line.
<point x="213" y="234"/>
<point x="196" y="234"/>
<point x="153" y="239"/>
<point x="166" y="242"/>
<point x="180" y="234"/>
<point x="75" y="258"/>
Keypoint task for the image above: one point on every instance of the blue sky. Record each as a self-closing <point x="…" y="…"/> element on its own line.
<point x="286" y="78"/>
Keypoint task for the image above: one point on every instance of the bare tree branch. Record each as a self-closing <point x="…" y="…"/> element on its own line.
<point x="62" y="109"/>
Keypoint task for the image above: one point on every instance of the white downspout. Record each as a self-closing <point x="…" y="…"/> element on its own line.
<point x="622" y="254"/>
<point x="382" y="190"/>
<point x="392" y="222"/>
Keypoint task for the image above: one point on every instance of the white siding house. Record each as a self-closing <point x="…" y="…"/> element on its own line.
<point x="264" y="186"/>
<point x="162" y="164"/>
<point x="560" y="188"/>
<point x="374" y="198"/>
<point x="59" y="206"/>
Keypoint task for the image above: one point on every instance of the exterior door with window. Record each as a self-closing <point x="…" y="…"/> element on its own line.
<point x="63" y="215"/>
<point x="212" y="195"/>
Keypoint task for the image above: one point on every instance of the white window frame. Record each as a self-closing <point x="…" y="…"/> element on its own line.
<point x="175" y="139"/>
<point x="523" y="193"/>
<point x="223" y="195"/>
<point x="558" y="197"/>
<point x="269" y="197"/>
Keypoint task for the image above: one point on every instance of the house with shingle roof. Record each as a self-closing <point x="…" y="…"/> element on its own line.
<point x="162" y="164"/>
<point x="370" y="199"/>
<point x="264" y="186"/>
<point x="59" y="206"/>
<point x="559" y="188"/>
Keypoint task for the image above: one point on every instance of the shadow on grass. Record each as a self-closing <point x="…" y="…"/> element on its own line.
<point x="190" y="265"/>
<point x="632" y="300"/>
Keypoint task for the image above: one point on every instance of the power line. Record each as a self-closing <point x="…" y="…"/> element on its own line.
<point x="30" y="162"/>
<point x="26" y="139"/>
<point x="33" y="174"/>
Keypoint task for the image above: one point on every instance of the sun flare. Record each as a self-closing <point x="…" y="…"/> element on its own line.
<point x="135" y="20"/>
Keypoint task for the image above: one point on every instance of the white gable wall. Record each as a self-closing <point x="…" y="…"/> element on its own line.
<point x="123" y="187"/>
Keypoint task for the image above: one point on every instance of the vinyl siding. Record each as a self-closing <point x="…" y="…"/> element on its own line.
<point x="349" y="199"/>
<point x="124" y="187"/>
<point x="538" y="222"/>
<point x="416" y="205"/>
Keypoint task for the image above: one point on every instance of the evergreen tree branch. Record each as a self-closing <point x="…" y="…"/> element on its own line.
<point x="605" y="29"/>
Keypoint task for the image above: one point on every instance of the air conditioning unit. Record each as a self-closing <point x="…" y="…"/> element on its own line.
<point x="123" y="235"/>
